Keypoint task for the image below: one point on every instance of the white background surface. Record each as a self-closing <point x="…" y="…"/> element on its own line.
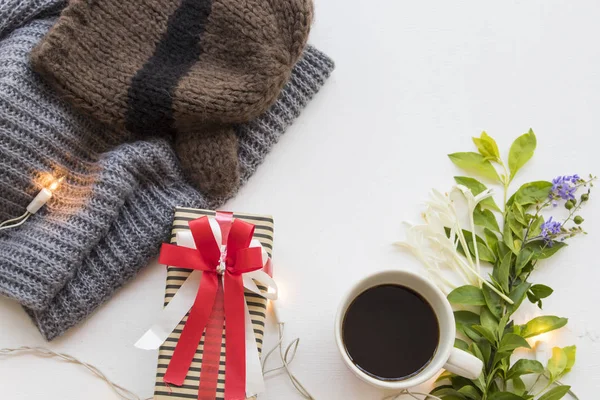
<point x="414" y="81"/>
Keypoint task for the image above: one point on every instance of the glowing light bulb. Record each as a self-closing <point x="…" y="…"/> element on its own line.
<point x="43" y="196"/>
<point x="56" y="184"/>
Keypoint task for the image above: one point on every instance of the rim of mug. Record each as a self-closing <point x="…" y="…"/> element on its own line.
<point x="440" y="357"/>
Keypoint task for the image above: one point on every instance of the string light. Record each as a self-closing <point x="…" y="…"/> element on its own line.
<point x="287" y="355"/>
<point x="38" y="202"/>
<point x="119" y="390"/>
<point x="406" y="392"/>
<point x="54" y="185"/>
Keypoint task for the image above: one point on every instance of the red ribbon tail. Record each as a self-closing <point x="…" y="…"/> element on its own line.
<point x="235" y="338"/>
<point x="192" y="331"/>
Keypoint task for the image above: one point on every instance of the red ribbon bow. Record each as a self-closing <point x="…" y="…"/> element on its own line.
<point x="230" y="260"/>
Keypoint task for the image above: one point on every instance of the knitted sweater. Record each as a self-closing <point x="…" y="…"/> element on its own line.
<point x="115" y="206"/>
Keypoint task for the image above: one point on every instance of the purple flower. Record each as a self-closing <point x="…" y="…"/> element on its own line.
<point x="563" y="187"/>
<point x="550" y="229"/>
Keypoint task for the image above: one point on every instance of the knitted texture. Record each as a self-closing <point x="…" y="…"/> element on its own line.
<point x="116" y="204"/>
<point x="14" y="13"/>
<point x="193" y="67"/>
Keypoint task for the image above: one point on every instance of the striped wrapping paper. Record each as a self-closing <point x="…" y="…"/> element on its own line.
<point x="175" y="278"/>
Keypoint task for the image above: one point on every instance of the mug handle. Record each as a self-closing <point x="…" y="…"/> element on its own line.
<point x="464" y="364"/>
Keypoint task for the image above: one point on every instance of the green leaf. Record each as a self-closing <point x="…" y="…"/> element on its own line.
<point x="540" y="325"/>
<point x="487" y="147"/>
<point x="502" y="272"/>
<point x="461" y="344"/>
<point x="540" y="304"/>
<point x="486" y="350"/>
<point x="493" y="301"/>
<point x="485" y="219"/>
<point x="488" y="320"/>
<point x="519" y="214"/>
<point x="465" y="319"/>
<point x="532" y="298"/>
<point x="541" y="291"/>
<point x="524" y="367"/>
<point x="536" y="227"/>
<point x="493" y="385"/>
<point x="471" y="334"/>
<point x="502" y="323"/>
<point x="501" y="355"/>
<point x="440" y="388"/>
<point x="467" y="295"/>
<point x="512" y="341"/>
<point x="459" y="382"/>
<point x="486" y="333"/>
<point x="557" y="363"/>
<point x="475" y="162"/>
<point x="474" y="349"/>
<point x="541" y="251"/>
<point x="571" y="352"/>
<point x="447" y="392"/>
<point x="519" y="385"/>
<point x="476" y="188"/>
<point x="495" y="283"/>
<point x="491" y="239"/>
<point x="485" y="254"/>
<point x="504" y="396"/>
<point x="508" y="238"/>
<point x="502" y="248"/>
<point x="479" y="382"/>
<point x="517" y="295"/>
<point x="469" y="392"/>
<point x="524" y="256"/>
<point x="515" y="226"/>
<point x="556" y="393"/>
<point x="531" y="193"/>
<point x="527" y="269"/>
<point x="521" y="151"/>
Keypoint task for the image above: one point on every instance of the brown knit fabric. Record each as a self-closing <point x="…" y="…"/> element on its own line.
<point x="219" y="145"/>
<point x="186" y="68"/>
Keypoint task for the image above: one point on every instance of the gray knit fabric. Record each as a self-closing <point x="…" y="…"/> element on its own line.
<point x="14" y="13"/>
<point x="116" y="204"/>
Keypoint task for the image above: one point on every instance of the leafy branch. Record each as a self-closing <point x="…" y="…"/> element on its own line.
<point x="485" y="307"/>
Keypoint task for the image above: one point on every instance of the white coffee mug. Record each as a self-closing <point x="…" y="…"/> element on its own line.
<point x="446" y="356"/>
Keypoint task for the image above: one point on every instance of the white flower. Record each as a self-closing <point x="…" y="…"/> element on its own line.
<point x="418" y="242"/>
<point x="473" y="201"/>
<point x="435" y="243"/>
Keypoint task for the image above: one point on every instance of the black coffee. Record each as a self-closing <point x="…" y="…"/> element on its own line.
<point x="390" y="332"/>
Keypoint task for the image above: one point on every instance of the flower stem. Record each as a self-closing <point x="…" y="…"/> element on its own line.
<point x="485" y="282"/>
<point x="506" y="183"/>
<point x="471" y="220"/>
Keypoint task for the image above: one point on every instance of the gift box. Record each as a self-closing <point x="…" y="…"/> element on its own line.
<point x="206" y="377"/>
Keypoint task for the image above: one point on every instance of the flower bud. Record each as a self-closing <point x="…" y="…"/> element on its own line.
<point x="585" y="197"/>
<point x="578" y="220"/>
<point x="569" y="205"/>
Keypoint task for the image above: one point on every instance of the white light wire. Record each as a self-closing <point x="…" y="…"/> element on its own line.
<point x="120" y="391"/>
<point x="287" y="357"/>
<point x="414" y="395"/>
<point x="13" y="223"/>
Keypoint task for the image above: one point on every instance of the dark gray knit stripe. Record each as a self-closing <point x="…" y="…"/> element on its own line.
<point x="175" y="54"/>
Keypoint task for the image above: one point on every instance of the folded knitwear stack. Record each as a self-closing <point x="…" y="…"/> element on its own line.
<point x="142" y="106"/>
